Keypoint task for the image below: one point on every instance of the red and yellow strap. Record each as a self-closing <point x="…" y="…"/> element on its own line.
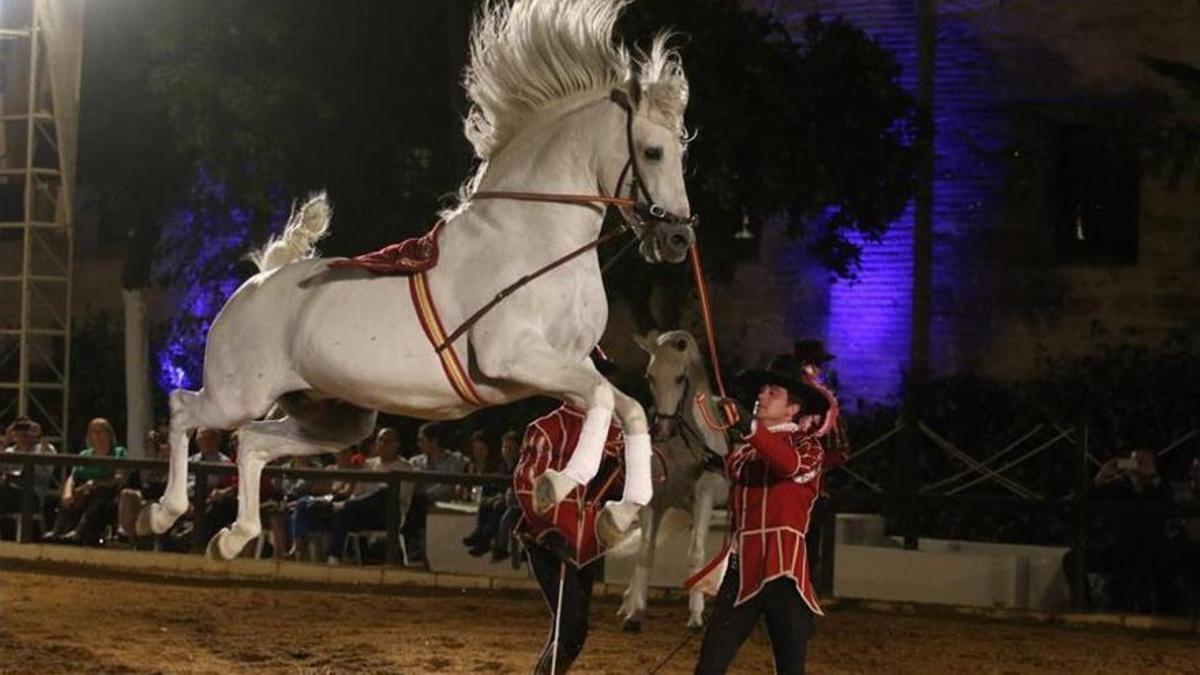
<point x="431" y="323"/>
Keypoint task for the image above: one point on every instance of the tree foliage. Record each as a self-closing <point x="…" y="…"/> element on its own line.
<point x="363" y="99"/>
<point x="809" y="128"/>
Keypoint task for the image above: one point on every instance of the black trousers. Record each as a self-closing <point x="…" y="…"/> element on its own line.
<point x="577" y="597"/>
<point x="789" y="625"/>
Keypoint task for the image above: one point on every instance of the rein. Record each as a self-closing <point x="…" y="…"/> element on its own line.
<point x="645" y="210"/>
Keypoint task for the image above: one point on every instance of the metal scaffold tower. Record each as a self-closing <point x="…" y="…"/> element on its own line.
<point x="40" y="63"/>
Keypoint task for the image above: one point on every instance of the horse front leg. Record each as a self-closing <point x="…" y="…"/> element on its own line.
<point x="633" y="603"/>
<point x="707" y="488"/>
<point x="574" y="381"/>
<point x="618" y="517"/>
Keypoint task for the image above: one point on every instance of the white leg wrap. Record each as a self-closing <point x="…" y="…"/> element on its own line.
<point x="585" y="461"/>
<point x="639" y="484"/>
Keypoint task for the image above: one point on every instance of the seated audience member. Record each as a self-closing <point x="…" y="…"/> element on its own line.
<point x="218" y="495"/>
<point x="312" y="512"/>
<point x="25" y="436"/>
<point x="144" y="485"/>
<point x="89" y="493"/>
<point x="366" y="509"/>
<point x="484" y="460"/>
<point x="1129" y="556"/>
<point x="208" y="449"/>
<point x="432" y="457"/>
<point x="510" y="450"/>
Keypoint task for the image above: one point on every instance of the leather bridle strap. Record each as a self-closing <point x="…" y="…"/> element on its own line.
<point x="509" y="289"/>
<point x="552" y="198"/>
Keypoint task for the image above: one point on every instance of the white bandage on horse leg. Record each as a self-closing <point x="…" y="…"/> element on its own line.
<point x="585" y="461"/>
<point x="639" y="485"/>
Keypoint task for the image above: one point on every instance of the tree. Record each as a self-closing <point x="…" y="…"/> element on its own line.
<point x="810" y="130"/>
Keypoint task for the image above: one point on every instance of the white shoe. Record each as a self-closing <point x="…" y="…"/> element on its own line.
<point x="550" y="489"/>
<point x="614" y="521"/>
<point x="333" y="560"/>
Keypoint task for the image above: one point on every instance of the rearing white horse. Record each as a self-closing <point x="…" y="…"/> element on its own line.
<point x="558" y="109"/>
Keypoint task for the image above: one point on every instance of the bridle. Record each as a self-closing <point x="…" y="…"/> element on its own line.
<point x="640" y="201"/>
<point x="681" y="426"/>
<point x="647" y="213"/>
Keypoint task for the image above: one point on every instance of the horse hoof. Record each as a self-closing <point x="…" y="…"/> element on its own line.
<point x="695" y="624"/>
<point x="153" y="519"/>
<point x="614" y="522"/>
<point x="216" y="549"/>
<point x="549" y="489"/>
<point x="631" y="626"/>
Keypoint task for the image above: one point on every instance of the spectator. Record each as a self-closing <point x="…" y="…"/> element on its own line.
<point x="510" y="451"/>
<point x="145" y="486"/>
<point x="89" y="493"/>
<point x="485" y="460"/>
<point x="313" y="509"/>
<point x="366" y="509"/>
<point x="1129" y="556"/>
<point x="220" y="491"/>
<point x="208" y="449"/>
<point x="432" y="457"/>
<point x="25" y="436"/>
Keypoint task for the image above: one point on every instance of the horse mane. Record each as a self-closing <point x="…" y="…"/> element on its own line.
<point x="529" y="54"/>
<point x="526" y="55"/>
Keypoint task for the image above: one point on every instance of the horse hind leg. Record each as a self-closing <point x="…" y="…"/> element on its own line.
<point x="310" y="428"/>
<point x="190" y="410"/>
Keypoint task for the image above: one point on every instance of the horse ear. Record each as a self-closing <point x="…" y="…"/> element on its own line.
<point x="647" y="341"/>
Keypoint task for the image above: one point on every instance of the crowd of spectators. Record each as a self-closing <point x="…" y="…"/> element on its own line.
<point x="303" y="519"/>
<point x="1138" y="560"/>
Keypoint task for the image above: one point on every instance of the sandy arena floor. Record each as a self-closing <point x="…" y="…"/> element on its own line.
<point x="57" y="621"/>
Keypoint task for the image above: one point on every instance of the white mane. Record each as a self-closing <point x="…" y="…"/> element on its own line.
<point x="532" y="53"/>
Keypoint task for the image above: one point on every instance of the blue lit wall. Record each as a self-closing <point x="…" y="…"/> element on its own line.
<point x="197" y="260"/>
<point x="869" y="320"/>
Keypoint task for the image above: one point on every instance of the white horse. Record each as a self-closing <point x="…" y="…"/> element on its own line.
<point x="676" y="374"/>
<point x="558" y="109"/>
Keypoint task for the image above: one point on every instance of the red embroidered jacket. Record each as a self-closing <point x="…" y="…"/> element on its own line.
<point x="549" y="443"/>
<point x="774" y="477"/>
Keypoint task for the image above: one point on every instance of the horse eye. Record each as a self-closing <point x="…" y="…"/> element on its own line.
<point x="653" y="153"/>
<point x="679" y="380"/>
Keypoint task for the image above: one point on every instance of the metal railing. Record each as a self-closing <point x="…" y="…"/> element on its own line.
<point x="204" y="470"/>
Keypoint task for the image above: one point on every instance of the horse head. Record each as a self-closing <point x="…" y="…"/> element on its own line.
<point x="656" y="141"/>
<point x="675" y="375"/>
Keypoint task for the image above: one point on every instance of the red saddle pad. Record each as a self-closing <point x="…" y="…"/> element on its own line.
<point x="410" y="256"/>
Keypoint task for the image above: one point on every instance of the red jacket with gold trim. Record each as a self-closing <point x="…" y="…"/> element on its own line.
<point x="549" y="443"/>
<point x="774" y="477"/>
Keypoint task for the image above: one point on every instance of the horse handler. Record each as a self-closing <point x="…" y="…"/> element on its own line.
<point x="763" y="571"/>
<point x="562" y="544"/>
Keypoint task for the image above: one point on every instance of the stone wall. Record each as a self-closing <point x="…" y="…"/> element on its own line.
<point x="1000" y="292"/>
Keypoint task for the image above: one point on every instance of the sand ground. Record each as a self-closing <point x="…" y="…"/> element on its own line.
<point x="75" y="620"/>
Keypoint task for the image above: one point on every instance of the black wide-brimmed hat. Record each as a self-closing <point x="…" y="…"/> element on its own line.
<point x="784" y="371"/>
<point x="811" y="350"/>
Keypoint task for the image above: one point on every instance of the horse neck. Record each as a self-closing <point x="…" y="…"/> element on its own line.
<point x="565" y="154"/>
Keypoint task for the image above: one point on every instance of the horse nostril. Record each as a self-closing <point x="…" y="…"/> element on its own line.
<point x="679" y="241"/>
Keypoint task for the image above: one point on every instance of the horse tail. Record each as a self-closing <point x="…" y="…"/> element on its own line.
<point x="307" y="225"/>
